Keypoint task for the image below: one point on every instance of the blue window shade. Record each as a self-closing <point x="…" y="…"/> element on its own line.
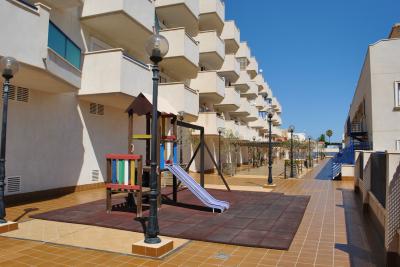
<point x="63" y="46"/>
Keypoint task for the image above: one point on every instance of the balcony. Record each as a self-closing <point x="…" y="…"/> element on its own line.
<point x="231" y="101"/>
<point x="183" y="98"/>
<point x="114" y="79"/>
<point x="242" y="84"/>
<point x="252" y="93"/>
<point x="231" y="35"/>
<point x="276" y="105"/>
<point x="212" y="15"/>
<point x="50" y="61"/>
<point x="258" y="124"/>
<point x="230" y="69"/>
<point x="129" y="23"/>
<point x="62" y="4"/>
<point x="260" y="102"/>
<point x="253" y="114"/>
<point x="243" y="110"/>
<point x="212" y="50"/>
<point x="232" y="128"/>
<point x="188" y="11"/>
<point x="182" y="61"/>
<point x="211" y="121"/>
<point x="252" y="68"/>
<point x="210" y="86"/>
<point x="276" y="120"/>
<point x="244" y="52"/>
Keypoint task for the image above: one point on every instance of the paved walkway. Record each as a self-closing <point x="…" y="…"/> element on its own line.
<point x="333" y="233"/>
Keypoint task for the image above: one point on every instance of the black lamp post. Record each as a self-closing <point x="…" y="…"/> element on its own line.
<point x="157" y="47"/>
<point x="220" y="131"/>
<point x="309" y="152"/>
<point x="181" y="113"/>
<point x="8" y="66"/>
<point x="291" y="130"/>
<point x="254" y="150"/>
<point x="270" y="112"/>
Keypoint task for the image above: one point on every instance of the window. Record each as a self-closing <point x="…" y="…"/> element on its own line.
<point x="397" y="94"/>
<point x="97" y="109"/>
<point x="243" y="63"/>
<point x="64" y="46"/>
<point x="397" y="145"/>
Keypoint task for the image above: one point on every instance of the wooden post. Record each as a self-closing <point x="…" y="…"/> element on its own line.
<point x="139" y="209"/>
<point x="108" y="180"/>
<point x="130" y="133"/>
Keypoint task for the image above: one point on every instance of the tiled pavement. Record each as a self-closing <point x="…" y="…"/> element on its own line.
<point x="332" y="233"/>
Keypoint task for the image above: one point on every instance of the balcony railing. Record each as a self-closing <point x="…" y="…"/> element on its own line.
<point x="64" y="46"/>
<point x="26" y="3"/>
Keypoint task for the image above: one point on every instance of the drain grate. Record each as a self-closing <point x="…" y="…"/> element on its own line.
<point x="221" y="256"/>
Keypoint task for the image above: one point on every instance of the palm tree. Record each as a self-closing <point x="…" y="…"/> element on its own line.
<point x="329" y="133"/>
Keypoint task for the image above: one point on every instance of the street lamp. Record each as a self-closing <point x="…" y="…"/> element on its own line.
<point x="270" y="113"/>
<point x="309" y="152"/>
<point x="156" y="47"/>
<point x="9" y="67"/>
<point x="220" y="130"/>
<point x="254" y="150"/>
<point x="291" y="130"/>
<point x="181" y="117"/>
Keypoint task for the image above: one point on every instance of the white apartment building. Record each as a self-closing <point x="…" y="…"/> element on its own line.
<point x="82" y="62"/>
<point x="375" y="109"/>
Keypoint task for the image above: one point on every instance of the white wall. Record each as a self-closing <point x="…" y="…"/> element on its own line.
<point x="385" y="69"/>
<point x="53" y="141"/>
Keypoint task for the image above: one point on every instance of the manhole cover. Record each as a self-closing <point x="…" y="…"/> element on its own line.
<point x="222" y="256"/>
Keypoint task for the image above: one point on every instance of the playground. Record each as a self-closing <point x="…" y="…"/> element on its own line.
<point x="187" y="208"/>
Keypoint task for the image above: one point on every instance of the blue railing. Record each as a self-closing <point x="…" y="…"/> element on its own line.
<point x="64" y="46"/>
<point x="345" y="156"/>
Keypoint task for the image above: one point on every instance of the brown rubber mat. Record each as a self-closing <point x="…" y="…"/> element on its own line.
<point x="255" y="219"/>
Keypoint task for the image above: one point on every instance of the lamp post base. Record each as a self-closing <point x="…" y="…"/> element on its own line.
<point x="8" y="227"/>
<point x="152" y="240"/>
<point x="153" y="250"/>
<point x="269" y="185"/>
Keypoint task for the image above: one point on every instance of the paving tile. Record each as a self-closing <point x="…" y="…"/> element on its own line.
<point x="326" y="228"/>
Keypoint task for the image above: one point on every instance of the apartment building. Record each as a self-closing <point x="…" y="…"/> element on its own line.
<point x="83" y="62"/>
<point x="373" y="117"/>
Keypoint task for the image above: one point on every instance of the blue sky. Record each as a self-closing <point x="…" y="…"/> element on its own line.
<point x="312" y="51"/>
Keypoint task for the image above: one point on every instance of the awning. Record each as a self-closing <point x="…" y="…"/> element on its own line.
<point x="143" y="105"/>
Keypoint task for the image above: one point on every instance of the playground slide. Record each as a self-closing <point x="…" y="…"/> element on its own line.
<point x="196" y="189"/>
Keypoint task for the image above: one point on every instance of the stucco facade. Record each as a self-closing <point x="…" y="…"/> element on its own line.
<point x="83" y="62"/>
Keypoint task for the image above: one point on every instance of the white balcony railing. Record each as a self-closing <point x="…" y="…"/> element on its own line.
<point x="231" y="101"/>
<point x="230" y="69"/>
<point x="110" y="72"/>
<point x="188" y="11"/>
<point x="231" y="35"/>
<point x="182" y="60"/>
<point x="42" y="67"/>
<point x="252" y="68"/>
<point x="183" y="98"/>
<point x="252" y="92"/>
<point x="130" y="23"/>
<point x="211" y="121"/>
<point x="212" y="49"/>
<point x="212" y="15"/>
<point x="210" y="86"/>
